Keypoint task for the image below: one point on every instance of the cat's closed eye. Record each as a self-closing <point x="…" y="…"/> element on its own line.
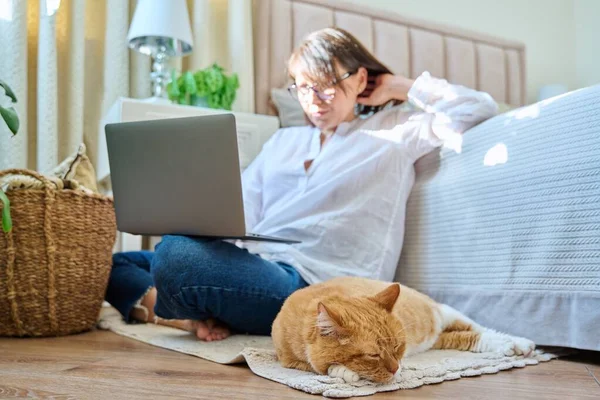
<point x="373" y="355"/>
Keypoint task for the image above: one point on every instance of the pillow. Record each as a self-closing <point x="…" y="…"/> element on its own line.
<point x="76" y="172"/>
<point x="289" y="109"/>
<point x="77" y="167"/>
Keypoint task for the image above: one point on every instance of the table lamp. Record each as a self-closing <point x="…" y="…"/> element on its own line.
<point x="161" y="29"/>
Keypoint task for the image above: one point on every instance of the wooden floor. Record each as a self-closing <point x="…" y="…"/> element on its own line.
<point x="102" y="365"/>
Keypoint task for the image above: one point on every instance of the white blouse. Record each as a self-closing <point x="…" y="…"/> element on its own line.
<point x="348" y="208"/>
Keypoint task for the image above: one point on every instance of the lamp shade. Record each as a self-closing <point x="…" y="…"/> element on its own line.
<point x="161" y="25"/>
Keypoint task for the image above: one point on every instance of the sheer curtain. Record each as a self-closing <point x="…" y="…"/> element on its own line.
<point x="68" y="62"/>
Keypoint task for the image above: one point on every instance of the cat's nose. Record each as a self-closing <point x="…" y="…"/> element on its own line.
<point x="393" y="368"/>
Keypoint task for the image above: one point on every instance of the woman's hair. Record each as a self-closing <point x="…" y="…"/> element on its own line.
<point x="315" y="57"/>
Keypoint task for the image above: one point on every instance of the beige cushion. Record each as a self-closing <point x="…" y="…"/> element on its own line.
<point x="77" y="167"/>
<point x="289" y="109"/>
<point x="76" y="172"/>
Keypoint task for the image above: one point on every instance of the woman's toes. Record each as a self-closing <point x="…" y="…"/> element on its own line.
<point x="218" y="331"/>
<point x="202" y="330"/>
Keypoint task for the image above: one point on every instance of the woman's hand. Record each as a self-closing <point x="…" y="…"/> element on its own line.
<point x="383" y="88"/>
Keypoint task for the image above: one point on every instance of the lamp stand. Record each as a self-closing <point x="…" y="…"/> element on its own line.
<point x="159" y="75"/>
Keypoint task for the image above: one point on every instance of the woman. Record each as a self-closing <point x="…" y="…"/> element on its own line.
<point x="340" y="186"/>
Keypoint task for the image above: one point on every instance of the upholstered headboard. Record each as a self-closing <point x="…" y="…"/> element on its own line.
<point x="405" y="45"/>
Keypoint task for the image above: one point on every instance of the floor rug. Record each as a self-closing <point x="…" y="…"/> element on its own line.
<point x="433" y="366"/>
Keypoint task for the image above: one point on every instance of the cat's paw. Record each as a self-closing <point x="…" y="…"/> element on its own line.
<point x="505" y="344"/>
<point x="340" y="371"/>
<point x="522" y="346"/>
<point x="491" y="341"/>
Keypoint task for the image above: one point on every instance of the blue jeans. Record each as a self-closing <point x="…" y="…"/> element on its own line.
<point x="199" y="279"/>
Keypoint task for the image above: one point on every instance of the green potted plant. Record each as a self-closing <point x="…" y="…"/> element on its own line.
<point x="209" y="87"/>
<point x="10" y="117"/>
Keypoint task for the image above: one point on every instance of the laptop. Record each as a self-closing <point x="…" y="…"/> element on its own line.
<point x="179" y="176"/>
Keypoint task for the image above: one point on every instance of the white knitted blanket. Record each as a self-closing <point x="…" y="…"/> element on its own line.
<point x="433" y="366"/>
<point x="513" y="223"/>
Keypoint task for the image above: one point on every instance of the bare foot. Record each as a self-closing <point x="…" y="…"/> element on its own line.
<point x="183" y="324"/>
<point x="208" y="330"/>
<point x="211" y="330"/>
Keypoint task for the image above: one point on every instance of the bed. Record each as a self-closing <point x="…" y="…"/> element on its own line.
<point x="508" y="229"/>
<point x="406" y="46"/>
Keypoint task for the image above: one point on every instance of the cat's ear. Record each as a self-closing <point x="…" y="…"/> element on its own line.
<point x="328" y="322"/>
<point x="387" y="298"/>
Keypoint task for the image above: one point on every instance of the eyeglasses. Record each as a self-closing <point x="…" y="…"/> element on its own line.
<point x="325" y="95"/>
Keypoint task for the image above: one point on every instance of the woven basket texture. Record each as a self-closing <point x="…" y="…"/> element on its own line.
<point x="55" y="263"/>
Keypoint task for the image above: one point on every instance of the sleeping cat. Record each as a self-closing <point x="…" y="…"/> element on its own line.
<point x="356" y="328"/>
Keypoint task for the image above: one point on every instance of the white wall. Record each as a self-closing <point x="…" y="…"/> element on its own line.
<point x="547" y="27"/>
<point x="587" y="33"/>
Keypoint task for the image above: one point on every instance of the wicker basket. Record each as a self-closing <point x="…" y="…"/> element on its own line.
<point x="55" y="263"/>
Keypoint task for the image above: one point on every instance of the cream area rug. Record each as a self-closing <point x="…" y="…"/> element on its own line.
<point x="433" y="366"/>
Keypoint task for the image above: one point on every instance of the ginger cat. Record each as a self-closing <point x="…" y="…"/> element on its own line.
<point x="356" y="328"/>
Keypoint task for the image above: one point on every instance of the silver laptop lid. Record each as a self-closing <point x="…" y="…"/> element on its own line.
<point x="177" y="176"/>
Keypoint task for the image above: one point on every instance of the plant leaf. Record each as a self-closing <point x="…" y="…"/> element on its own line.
<point x="220" y="78"/>
<point x="214" y="79"/>
<point x="228" y="99"/>
<point x="6" y="220"/>
<point x="190" y="86"/>
<point x="8" y="91"/>
<point x="183" y="99"/>
<point x="173" y="87"/>
<point x="214" y="101"/>
<point x="234" y="81"/>
<point x="11" y="118"/>
<point x="214" y="87"/>
<point x="200" y="77"/>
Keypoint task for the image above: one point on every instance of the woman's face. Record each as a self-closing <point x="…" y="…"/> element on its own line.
<point x="327" y="107"/>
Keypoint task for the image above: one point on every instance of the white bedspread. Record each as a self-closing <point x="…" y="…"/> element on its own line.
<point x="508" y="231"/>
